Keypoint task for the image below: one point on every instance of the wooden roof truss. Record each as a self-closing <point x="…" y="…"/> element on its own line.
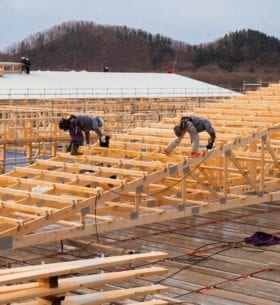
<point x="133" y="183"/>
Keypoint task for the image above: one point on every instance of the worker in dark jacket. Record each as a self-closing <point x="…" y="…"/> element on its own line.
<point x="77" y="137"/>
<point x="192" y="125"/>
<point x="88" y="123"/>
<point x="26" y="64"/>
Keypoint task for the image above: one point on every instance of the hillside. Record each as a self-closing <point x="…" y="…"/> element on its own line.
<point x="250" y="48"/>
<point x="244" y="55"/>
<point x="87" y="46"/>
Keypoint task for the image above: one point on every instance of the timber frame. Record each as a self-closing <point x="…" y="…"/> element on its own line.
<point x="10" y="67"/>
<point x="31" y="126"/>
<point x="133" y="183"/>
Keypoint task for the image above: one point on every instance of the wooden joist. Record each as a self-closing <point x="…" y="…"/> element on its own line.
<point x="134" y="183"/>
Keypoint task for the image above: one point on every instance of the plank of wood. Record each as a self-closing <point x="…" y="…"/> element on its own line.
<point x="107" y="297"/>
<point x="109" y="170"/>
<point x="111" y="296"/>
<point x="27" y="194"/>
<point x="71" y="176"/>
<point x="49" y="185"/>
<point x="117" y="161"/>
<point x="49" y="270"/>
<point x="15" y="293"/>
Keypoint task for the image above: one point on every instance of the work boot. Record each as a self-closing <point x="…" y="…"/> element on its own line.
<point x="104" y="141"/>
<point x="69" y="148"/>
<point x="74" y="151"/>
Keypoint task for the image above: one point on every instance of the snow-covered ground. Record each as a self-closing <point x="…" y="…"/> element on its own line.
<point x="50" y="84"/>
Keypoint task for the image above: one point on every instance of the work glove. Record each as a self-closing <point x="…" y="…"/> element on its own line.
<point x="210" y="145"/>
<point x="104" y="141"/>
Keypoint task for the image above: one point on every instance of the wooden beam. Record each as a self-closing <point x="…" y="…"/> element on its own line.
<point x="21" y="292"/>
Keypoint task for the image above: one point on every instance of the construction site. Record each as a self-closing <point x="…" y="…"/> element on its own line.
<point x="130" y="224"/>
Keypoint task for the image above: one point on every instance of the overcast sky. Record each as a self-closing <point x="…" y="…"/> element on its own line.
<point x="191" y="21"/>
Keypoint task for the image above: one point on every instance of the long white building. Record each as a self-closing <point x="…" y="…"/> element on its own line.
<point x="50" y="84"/>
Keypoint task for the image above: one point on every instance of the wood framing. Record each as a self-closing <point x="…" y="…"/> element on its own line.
<point x="133" y="183"/>
<point x="31" y="126"/>
<point x="11" y="67"/>
<point x="44" y="285"/>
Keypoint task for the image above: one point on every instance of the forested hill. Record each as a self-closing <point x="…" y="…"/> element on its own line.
<point x="87" y="46"/>
<point x="243" y="47"/>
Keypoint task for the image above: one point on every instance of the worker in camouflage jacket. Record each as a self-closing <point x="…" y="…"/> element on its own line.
<point x="192" y="125"/>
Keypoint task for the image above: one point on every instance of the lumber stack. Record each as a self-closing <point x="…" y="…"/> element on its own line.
<point x="11" y="67"/>
<point x="82" y="282"/>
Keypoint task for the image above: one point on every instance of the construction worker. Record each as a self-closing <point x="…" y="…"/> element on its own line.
<point x="192" y="125"/>
<point x="88" y="123"/>
<point x="26" y="64"/>
<point x="77" y="137"/>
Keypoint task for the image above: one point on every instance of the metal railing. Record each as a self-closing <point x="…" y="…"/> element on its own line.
<point x="113" y="92"/>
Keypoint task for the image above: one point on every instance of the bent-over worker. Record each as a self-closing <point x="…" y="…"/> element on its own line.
<point x="192" y="125"/>
<point x="75" y="131"/>
<point x="87" y="123"/>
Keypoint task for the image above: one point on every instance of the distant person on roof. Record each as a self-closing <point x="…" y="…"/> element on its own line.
<point x="87" y="123"/>
<point x="192" y="125"/>
<point x="26" y="64"/>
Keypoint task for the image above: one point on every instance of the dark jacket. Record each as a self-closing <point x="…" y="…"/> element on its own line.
<point x="88" y="123"/>
<point x="76" y="133"/>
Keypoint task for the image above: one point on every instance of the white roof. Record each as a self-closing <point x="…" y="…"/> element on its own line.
<point x="50" y="84"/>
